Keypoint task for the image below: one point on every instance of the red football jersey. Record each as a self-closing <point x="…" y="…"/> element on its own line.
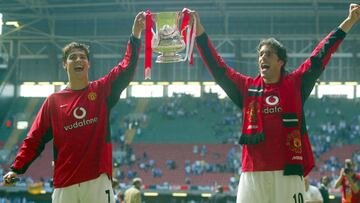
<point x="269" y="155"/>
<point x="78" y="122"/>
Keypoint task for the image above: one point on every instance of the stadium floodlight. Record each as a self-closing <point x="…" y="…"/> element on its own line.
<point x="179" y="194"/>
<point x="1" y="23"/>
<point x="206" y="195"/>
<point x="151" y="194"/>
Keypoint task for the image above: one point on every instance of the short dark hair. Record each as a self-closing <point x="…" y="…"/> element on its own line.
<point x="75" y="45"/>
<point x="278" y="48"/>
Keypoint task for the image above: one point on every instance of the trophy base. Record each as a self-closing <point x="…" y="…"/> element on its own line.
<point x="169" y="58"/>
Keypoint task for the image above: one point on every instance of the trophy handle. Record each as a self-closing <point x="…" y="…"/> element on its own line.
<point x="154" y="18"/>
<point x="188" y="37"/>
<point x="155" y="39"/>
<point x="154" y="33"/>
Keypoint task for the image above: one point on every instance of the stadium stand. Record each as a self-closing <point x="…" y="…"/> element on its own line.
<point x="170" y="129"/>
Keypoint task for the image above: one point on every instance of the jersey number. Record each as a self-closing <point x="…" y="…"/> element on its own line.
<point x="298" y="198"/>
<point x="108" y="194"/>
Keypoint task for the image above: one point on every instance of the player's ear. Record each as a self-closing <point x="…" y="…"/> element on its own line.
<point x="281" y="62"/>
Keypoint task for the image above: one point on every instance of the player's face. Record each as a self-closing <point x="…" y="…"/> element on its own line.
<point x="77" y="64"/>
<point x="269" y="64"/>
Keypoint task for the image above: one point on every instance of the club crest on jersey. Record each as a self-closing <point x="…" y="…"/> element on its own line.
<point x="294" y="141"/>
<point x="92" y="96"/>
<point x="79" y="113"/>
<point x="252" y="111"/>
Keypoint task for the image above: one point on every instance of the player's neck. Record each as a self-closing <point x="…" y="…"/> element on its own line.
<point x="78" y="85"/>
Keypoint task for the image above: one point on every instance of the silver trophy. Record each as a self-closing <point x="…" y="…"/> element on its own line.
<point x="167" y="39"/>
<point x="164" y="37"/>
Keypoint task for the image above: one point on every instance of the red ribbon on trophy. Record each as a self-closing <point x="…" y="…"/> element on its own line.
<point x="184" y="25"/>
<point x="148" y="50"/>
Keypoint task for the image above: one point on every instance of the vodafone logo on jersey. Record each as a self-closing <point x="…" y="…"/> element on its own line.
<point x="272" y="100"/>
<point x="80" y="113"/>
<point x="272" y="105"/>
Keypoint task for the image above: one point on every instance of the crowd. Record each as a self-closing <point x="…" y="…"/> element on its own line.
<point x="337" y="130"/>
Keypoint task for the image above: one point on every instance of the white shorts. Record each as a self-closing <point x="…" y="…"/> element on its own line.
<point x="98" y="190"/>
<point x="270" y="187"/>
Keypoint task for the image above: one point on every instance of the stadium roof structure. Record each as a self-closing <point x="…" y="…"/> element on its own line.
<point x="63" y="19"/>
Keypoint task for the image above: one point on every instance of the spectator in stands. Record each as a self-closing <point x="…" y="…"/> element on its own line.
<point x="203" y="151"/>
<point x="274" y="135"/>
<point x="171" y="164"/>
<point x="118" y="197"/>
<point x="117" y="191"/>
<point x="312" y="194"/>
<point x="219" y="196"/>
<point x="133" y="194"/>
<point x="349" y="181"/>
<point x="131" y="174"/>
<point x="188" y="167"/>
<point x="195" y="149"/>
<point x="77" y="119"/>
<point x="143" y="166"/>
<point x="187" y="180"/>
<point x="233" y="182"/>
<point x="9" y="122"/>
<point x="156" y="172"/>
<point x="152" y="163"/>
<point x="145" y="156"/>
<point x="324" y="190"/>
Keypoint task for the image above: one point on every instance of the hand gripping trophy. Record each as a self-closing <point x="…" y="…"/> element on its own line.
<point x="164" y="37"/>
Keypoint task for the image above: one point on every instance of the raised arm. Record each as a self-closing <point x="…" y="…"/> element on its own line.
<point x="338" y="181"/>
<point x="312" y="68"/>
<point x="231" y="82"/>
<point x="352" y="19"/>
<point x="121" y="75"/>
